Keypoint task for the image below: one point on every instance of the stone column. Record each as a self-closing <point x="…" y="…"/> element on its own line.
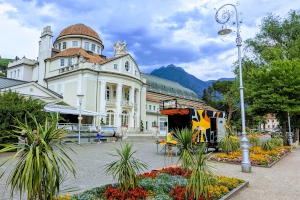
<point x="119" y="107"/>
<point x="102" y="97"/>
<point x="138" y="110"/>
<point x="131" y="100"/>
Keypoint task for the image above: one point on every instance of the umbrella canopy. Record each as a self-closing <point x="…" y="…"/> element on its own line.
<point x="71" y="110"/>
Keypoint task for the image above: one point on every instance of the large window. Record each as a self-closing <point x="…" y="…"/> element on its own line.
<point x="124" y="117"/>
<point x="107" y="93"/>
<point x="64" y="45"/>
<point x="115" y="66"/>
<point x="69" y="61"/>
<point x="62" y="62"/>
<point x="98" y="50"/>
<point x="75" y="43"/>
<point x="87" y="46"/>
<point x="59" y="46"/>
<point x="127" y="95"/>
<point x="93" y="47"/>
<point x="110" y="118"/>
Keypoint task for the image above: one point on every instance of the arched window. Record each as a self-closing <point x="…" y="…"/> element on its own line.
<point x="124" y="117"/>
<point x="110" y="118"/>
<point x="107" y="93"/>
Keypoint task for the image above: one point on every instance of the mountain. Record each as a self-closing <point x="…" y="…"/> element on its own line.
<point x="3" y="65"/>
<point x="210" y="82"/>
<point x="177" y="74"/>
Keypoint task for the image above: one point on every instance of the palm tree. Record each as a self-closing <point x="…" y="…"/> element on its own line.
<point x="42" y="163"/>
<point x="126" y="168"/>
<point x="201" y="174"/>
<point x="185" y="146"/>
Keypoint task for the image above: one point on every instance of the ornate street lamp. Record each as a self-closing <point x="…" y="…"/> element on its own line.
<point x="223" y="15"/>
<point x="80" y="97"/>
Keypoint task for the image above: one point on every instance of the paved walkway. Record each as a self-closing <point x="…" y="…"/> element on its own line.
<point x="279" y="182"/>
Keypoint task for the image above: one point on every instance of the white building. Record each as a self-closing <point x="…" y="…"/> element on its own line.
<point x="74" y="65"/>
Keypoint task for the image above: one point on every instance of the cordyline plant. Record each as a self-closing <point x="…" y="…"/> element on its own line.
<point x="125" y="169"/>
<point x="41" y="165"/>
<point x="229" y="143"/>
<point x="185" y="146"/>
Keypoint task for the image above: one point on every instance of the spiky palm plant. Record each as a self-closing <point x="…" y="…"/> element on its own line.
<point x="201" y="174"/>
<point x="42" y="163"/>
<point x="229" y="143"/>
<point x="125" y="169"/>
<point x="185" y="146"/>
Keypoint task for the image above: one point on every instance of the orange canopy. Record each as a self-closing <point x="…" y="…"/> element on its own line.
<point x="175" y="112"/>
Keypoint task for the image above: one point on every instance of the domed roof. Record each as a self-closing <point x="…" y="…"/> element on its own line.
<point x="79" y="29"/>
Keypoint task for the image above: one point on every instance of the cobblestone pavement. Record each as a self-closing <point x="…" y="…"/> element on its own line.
<point x="279" y="182"/>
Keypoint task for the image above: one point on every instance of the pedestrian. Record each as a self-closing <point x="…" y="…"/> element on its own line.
<point x="23" y="137"/>
<point x="114" y="135"/>
<point x="99" y="136"/>
<point x="169" y="139"/>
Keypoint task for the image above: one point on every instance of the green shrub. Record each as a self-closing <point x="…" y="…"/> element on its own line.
<point x="268" y="145"/>
<point x="229" y="143"/>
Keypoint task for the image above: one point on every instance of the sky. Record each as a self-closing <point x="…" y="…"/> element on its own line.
<point x="157" y="32"/>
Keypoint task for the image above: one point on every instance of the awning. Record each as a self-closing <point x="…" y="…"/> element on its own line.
<point x="70" y="110"/>
<point x="175" y="111"/>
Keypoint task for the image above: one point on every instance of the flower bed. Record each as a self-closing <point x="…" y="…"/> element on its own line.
<point x="258" y="157"/>
<point x="169" y="183"/>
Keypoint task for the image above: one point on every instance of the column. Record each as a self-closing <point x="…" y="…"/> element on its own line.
<point x="102" y="97"/>
<point x="79" y="87"/>
<point x="138" y="110"/>
<point x="119" y="108"/>
<point x="131" y="100"/>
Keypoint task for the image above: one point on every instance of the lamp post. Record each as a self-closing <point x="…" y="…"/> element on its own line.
<point x="223" y="15"/>
<point x="80" y="97"/>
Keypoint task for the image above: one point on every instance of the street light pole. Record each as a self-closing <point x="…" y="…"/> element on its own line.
<point x="80" y="97"/>
<point x="222" y="17"/>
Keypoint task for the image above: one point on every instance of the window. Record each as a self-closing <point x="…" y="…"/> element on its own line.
<point x="127" y="67"/>
<point x="107" y="93"/>
<point x="18" y="72"/>
<point x="268" y="126"/>
<point x="154" y="108"/>
<point x="110" y="118"/>
<point x="150" y="107"/>
<point x="14" y="73"/>
<point x="115" y="66"/>
<point x="93" y="47"/>
<point x="124" y="117"/>
<point x="75" y="43"/>
<point x="273" y="120"/>
<point x="59" y="46"/>
<point x="62" y="62"/>
<point x="69" y="61"/>
<point x="98" y="50"/>
<point x="135" y="72"/>
<point x="268" y="120"/>
<point x="64" y="45"/>
<point x="11" y="74"/>
<point x="127" y="95"/>
<point x="146" y="125"/>
<point x="87" y="46"/>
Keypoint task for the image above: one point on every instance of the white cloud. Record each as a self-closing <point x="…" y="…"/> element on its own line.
<point x="15" y="39"/>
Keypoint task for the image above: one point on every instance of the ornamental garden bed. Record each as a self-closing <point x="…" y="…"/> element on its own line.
<point x="258" y="156"/>
<point x="167" y="184"/>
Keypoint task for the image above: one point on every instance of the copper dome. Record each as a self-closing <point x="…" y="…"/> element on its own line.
<point x="79" y="29"/>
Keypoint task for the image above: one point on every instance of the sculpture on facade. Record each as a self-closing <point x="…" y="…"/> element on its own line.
<point x="120" y="48"/>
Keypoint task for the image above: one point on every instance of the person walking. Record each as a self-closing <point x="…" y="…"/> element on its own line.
<point x="169" y="139"/>
<point x="99" y="136"/>
<point x="114" y="135"/>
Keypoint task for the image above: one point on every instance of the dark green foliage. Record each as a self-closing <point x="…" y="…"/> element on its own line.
<point x="3" y="64"/>
<point x="14" y="106"/>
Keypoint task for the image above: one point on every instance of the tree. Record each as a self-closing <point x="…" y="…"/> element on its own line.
<point x="14" y="105"/>
<point x="271" y="68"/>
<point x="42" y="164"/>
<point x="228" y="90"/>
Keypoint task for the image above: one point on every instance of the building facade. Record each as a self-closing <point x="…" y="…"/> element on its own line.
<point x="74" y="64"/>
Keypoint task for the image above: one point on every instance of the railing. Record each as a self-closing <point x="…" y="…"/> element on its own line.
<point x="73" y="127"/>
<point x="111" y="102"/>
<point x="126" y="103"/>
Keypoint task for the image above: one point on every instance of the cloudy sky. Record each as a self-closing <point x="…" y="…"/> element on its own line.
<point x="157" y="32"/>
